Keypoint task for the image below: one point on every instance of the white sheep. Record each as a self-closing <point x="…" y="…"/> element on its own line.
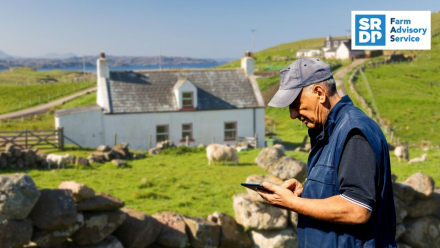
<point x="217" y="152"/>
<point x="416" y="160"/>
<point x="59" y="160"/>
<point x="401" y="152"/>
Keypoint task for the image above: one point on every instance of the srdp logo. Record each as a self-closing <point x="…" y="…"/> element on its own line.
<point x="370" y="30"/>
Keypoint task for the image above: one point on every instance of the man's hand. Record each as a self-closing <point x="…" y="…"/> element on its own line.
<point x="280" y="196"/>
<point x="294" y="185"/>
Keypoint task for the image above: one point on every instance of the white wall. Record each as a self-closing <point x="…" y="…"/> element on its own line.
<point x="93" y="128"/>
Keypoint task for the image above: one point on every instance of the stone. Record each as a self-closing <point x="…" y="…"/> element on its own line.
<point x="80" y="161"/>
<point x="103" y="148"/>
<point x="20" y="163"/>
<point x="29" y="158"/>
<point x="294" y="220"/>
<point x="138" y="230"/>
<point x="18" y="195"/>
<point x="80" y="191"/>
<point x="173" y="232"/>
<point x="97" y="226"/>
<point x="99" y="156"/>
<point x="202" y="233"/>
<point x="254" y="196"/>
<point x="232" y="234"/>
<point x="201" y="146"/>
<point x="402" y="245"/>
<point x="44" y="238"/>
<point x="422" y="232"/>
<point x="154" y="151"/>
<point x="100" y="202"/>
<point x="403" y="192"/>
<point x="393" y="177"/>
<point x="422" y="184"/>
<point x="401" y="211"/>
<point x="140" y="155"/>
<point x="436" y="195"/>
<point x="420" y="208"/>
<point x="400" y="230"/>
<point x="108" y="242"/>
<point x="258" y="215"/>
<point x="3" y="160"/>
<point x="274" y="239"/>
<point x="268" y="156"/>
<point x="287" y="168"/>
<point x="9" y="148"/>
<point x="119" y="162"/>
<point x="55" y="210"/>
<point x="15" y="233"/>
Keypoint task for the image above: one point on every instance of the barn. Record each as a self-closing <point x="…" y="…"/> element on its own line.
<point x="146" y="107"/>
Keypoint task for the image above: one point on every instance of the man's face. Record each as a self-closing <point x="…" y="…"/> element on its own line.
<point x="306" y="108"/>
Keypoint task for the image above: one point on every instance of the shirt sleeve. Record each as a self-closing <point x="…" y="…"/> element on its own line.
<point x="357" y="171"/>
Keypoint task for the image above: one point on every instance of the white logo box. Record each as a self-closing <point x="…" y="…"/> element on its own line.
<point x="399" y="26"/>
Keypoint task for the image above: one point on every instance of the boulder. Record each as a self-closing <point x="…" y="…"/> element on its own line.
<point x="294" y="220"/>
<point x="422" y="184"/>
<point x="15" y="233"/>
<point x="108" y="242"/>
<point x="139" y="155"/>
<point x="99" y="157"/>
<point x="80" y="161"/>
<point x="269" y="155"/>
<point x="3" y="160"/>
<point x="274" y="239"/>
<point x="138" y="230"/>
<point x="436" y="195"/>
<point x="232" y="234"/>
<point x="201" y="146"/>
<point x="202" y="233"/>
<point x="154" y="151"/>
<point x="100" y="202"/>
<point x="80" y="191"/>
<point x="103" y="148"/>
<point x="422" y="232"/>
<point x="258" y="215"/>
<point x="18" y="195"/>
<point x="401" y="211"/>
<point x="20" y="163"/>
<point x="55" y="210"/>
<point x="29" y="158"/>
<point x="403" y="192"/>
<point x="119" y="162"/>
<point x="173" y="232"/>
<point x="400" y="229"/>
<point x="254" y="196"/>
<point x="287" y="167"/>
<point x="420" y="208"/>
<point x="97" y="226"/>
<point x="44" y="238"/>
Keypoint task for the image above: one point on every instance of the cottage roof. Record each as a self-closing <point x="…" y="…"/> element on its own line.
<point x="152" y="91"/>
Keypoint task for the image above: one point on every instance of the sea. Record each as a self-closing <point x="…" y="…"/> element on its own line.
<point x="134" y="67"/>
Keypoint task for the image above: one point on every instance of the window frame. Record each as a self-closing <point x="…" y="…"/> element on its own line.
<point x="229" y="130"/>
<point x="190" y="130"/>
<point x="187" y="98"/>
<point x="167" y="132"/>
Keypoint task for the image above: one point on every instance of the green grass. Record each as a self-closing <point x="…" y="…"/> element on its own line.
<point x="24" y="87"/>
<point x="181" y="183"/>
<point x="45" y="121"/>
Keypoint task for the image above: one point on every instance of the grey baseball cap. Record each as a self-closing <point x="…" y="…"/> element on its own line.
<point x="302" y="72"/>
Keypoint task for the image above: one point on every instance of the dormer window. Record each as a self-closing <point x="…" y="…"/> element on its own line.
<point x="187" y="100"/>
<point x="336" y="43"/>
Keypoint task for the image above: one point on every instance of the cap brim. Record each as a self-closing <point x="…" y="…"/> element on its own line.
<point x="284" y="98"/>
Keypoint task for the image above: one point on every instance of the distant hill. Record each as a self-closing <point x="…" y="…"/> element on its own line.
<point x="90" y="61"/>
<point x="3" y="55"/>
<point x="58" y="56"/>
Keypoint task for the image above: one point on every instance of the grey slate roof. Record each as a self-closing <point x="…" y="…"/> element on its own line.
<point x="152" y="91"/>
<point x="70" y="111"/>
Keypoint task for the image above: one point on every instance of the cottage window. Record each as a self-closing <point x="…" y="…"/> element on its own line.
<point x="336" y="43"/>
<point x="230" y="130"/>
<point x="187" y="99"/>
<point x="187" y="131"/>
<point x="328" y="44"/>
<point x="161" y="133"/>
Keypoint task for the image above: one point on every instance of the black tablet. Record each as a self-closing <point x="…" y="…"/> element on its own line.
<point x="255" y="186"/>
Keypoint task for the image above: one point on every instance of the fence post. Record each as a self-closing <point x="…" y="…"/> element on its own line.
<point x="116" y="139"/>
<point x="61" y="138"/>
<point x="256" y="140"/>
<point x="26" y="138"/>
<point x="149" y="142"/>
<point x="187" y="140"/>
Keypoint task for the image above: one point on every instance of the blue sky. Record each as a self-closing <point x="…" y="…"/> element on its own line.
<point x="200" y="29"/>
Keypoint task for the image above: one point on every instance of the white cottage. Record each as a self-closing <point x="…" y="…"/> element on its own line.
<point x="169" y="105"/>
<point x="340" y="49"/>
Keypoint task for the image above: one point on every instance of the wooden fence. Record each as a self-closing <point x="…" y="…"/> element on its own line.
<point x="41" y="139"/>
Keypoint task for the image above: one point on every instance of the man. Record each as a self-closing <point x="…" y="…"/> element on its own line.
<point x="347" y="199"/>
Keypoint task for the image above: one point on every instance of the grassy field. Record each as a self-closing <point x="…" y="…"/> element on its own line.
<point x="24" y="87"/>
<point x="45" y="121"/>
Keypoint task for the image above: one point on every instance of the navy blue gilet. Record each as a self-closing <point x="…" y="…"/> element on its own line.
<point x="322" y="182"/>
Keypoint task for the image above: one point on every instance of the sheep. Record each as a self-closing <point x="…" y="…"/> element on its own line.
<point x="217" y="152"/>
<point x="58" y="160"/>
<point x="421" y="159"/>
<point x="401" y="152"/>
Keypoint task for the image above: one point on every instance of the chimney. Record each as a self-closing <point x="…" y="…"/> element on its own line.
<point x="247" y="64"/>
<point x="103" y="75"/>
